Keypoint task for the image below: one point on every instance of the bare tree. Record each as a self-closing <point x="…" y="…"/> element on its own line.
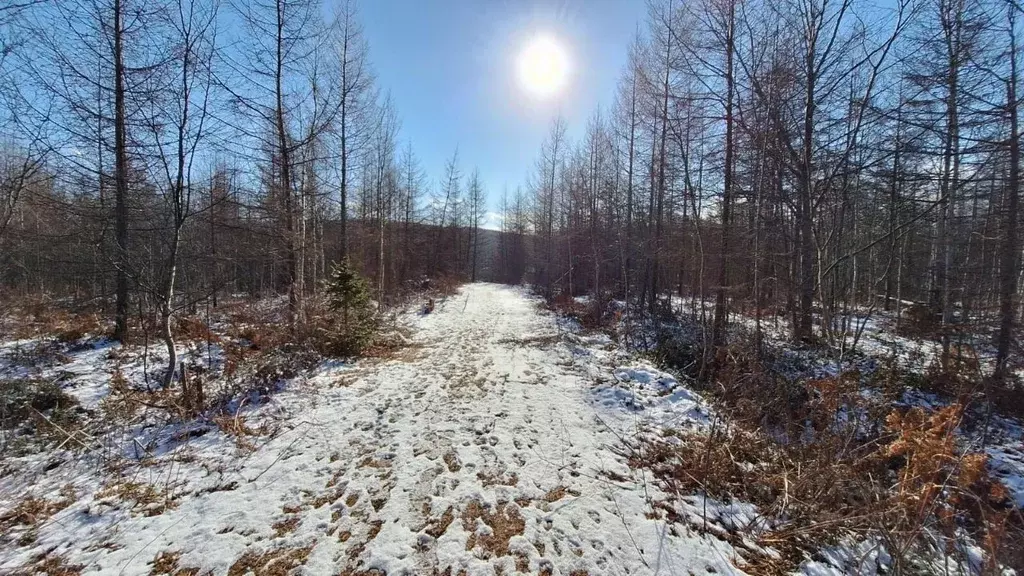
<point x="1010" y="257"/>
<point x="276" y="74"/>
<point x="178" y="134"/>
<point x="476" y="199"/>
<point x="355" y="81"/>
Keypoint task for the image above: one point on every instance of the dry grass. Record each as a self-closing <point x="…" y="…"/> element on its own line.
<point x="370" y="462"/>
<point x="39" y="408"/>
<point x="286" y="526"/>
<point x="438" y="526"/>
<point x="236" y="427"/>
<point x="488" y="479"/>
<point x="393" y="344"/>
<point x="277" y="562"/>
<point x="167" y="564"/>
<point x="146" y="498"/>
<point x="258" y="327"/>
<point x="43" y="317"/>
<point x="331" y="495"/>
<point x="823" y="461"/>
<point x="193" y="328"/>
<point x="357" y="550"/>
<point x="533" y="341"/>
<point x="451" y="460"/>
<point x="50" y="565"/>
<point x="368" y="572"/>
<point x="557" y="493"/>
<point x="595" y="314"/>
<point x="31" y="512"/>
<point x="446" y="285"/>
<point x="504" y="522"/>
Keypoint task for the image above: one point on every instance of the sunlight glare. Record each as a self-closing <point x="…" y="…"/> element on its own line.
<point x="543" y="67"/>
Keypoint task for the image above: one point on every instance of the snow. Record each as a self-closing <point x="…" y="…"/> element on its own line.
<point x="865" y="557"/>
<point x="83" y="368"/>
<point x="657" y="395"/>
<point x="491" y="444"/>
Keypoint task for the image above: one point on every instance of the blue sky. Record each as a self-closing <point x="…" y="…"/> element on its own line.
<point x="450" y="68"/>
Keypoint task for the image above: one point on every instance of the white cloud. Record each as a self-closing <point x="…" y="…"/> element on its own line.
<point x="491" y="221"/>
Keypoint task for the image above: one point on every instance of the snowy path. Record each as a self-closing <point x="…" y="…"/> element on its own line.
<point x="480" y="451"/>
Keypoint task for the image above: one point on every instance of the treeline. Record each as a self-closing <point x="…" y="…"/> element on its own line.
<point x="157" y="155"/>
<point x="806" y="159"/>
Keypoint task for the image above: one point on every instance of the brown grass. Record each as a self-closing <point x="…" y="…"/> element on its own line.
<point x="438" y="526"/>
<point x="150" y="499"/>
<point x="193" y="328"/>
<point x="446" y="285"/>
<point x="50" y="565"/>
<point x="42" y="317"/>
<point x="286" y="526"/>
<point x="236" y="427"/>
<point x="278" y="562"/>
<point x="451" y="460"/>
<point x="557" y="493"/>
<point x="392" y="345"/>
<point x="332" y="494"/>
<point x="791" y="449"/>
<point x="370" y="462"/>
<point x="596" y="314"/>
<point x="32" y="511"/>
<point x="504" y="522"/>
<point x="166" y="563"/>
<point x="533" y="341"/>
<point x="491" y="479"/>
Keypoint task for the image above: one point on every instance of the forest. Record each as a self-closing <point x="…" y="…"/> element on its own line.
<point x="798" y="161"/>
<point x="808" y="211"/>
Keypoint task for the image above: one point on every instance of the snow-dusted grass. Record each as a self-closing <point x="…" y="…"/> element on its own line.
<point x="494" y="443"/>
<point x="501" y="438"/>
<point x="887" y="367"/>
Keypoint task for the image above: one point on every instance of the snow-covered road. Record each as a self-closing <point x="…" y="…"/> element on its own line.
<point x="481" y="450"/>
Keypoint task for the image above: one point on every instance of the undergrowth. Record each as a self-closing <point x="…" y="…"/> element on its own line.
<point x="830" y="458"/>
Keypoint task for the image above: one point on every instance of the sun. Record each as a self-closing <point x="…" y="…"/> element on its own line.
<point x="543" y="67"/>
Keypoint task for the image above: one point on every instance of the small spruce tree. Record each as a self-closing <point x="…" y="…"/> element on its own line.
<point x="348" y="296"/>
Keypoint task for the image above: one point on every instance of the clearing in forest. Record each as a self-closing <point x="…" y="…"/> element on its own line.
<point x="492" y="445"/>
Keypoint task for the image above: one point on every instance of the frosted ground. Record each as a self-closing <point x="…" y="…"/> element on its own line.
<point x="492" y="444"/>
<point x="496" y="442"/>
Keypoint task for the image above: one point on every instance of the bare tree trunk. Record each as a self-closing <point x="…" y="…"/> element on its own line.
<point x="950" y="180"/>
<point x="718" y="330"/>
<point x="120" y="180"/>
<point x="805" y="254"/>
<point x="1010" y="252"/>
<point x="291" y="264"/>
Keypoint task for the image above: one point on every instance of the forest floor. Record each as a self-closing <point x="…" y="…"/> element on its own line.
<point x="494" y="443"/>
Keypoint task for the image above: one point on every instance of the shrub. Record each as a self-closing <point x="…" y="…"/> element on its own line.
<point x="940" y="488"/>
<point x="595" y="313"/>
<point x="919" y="321"/>
<point x="193" y="328"/>
<point x="38" y="411"/>
<point x="824" y="461"/>
<point x="21" y="398"/>
<point x="353" y="321"/>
